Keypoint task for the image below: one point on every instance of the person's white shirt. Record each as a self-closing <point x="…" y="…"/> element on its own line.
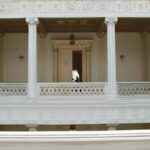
<point x="75" y="75"/>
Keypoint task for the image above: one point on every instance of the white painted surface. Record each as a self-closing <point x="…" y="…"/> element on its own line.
<point x="74" y="110"/>
<point x="122" y="140"/>
<point x="128" y="44"/>
<point x="32" y="55"/>
<point x="111" y="55"/>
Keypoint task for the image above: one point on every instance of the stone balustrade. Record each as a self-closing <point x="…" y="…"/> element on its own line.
<point x="13" y="89"/>
<point x="72" y="89"/>
<point x="75" y="89"/>
<point x="133" y="88"/>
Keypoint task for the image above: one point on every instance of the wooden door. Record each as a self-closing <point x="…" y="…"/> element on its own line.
<point x="65" y="66"/>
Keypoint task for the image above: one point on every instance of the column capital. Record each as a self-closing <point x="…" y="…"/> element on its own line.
<point x="32" y="21"/>
<point x="111" y="20"/>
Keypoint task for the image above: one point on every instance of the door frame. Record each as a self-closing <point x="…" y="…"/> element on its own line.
<point x="80" y="45"/>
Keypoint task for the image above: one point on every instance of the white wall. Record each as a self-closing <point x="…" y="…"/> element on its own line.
<point x="98" y="59"/>
<point x="42" y="59"/>
<point x="13" y="69"/>
<point x="128" y="44"/>
<point x="1" y="57"/>
<point x="148" y="56"/>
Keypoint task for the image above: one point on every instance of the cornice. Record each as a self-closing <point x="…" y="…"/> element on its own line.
<point x="61" y="8"/>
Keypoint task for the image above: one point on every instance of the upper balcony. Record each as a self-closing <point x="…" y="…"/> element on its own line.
<point x="37" y="76"/>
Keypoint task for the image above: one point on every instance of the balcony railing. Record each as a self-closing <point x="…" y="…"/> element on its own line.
<point x="75" y="89"/>
<point x="133" y="88"/>
<point x="13" y="89"/>
<point x="72" y="89"/>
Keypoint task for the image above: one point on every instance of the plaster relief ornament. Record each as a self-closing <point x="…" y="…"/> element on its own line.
<point x="24" y="7"/>
<point x="103" y="6"/>
<point x="2" y="7"/>
<point x="87" y="5"/>
<point x="40" y="7"/>
<point x="57" y="6"/>
<point x="72" y="5"/>
<point x="82" y="6"/>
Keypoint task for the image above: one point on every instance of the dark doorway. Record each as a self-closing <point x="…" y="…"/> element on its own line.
<point x="77" y="66"/>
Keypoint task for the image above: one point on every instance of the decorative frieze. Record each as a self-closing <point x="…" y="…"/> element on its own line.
<point x="80" y="7"/>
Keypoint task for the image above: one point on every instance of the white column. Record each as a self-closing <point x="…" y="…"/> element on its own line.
<point x="111" y="56"/>
<point x="32" y="55"/>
